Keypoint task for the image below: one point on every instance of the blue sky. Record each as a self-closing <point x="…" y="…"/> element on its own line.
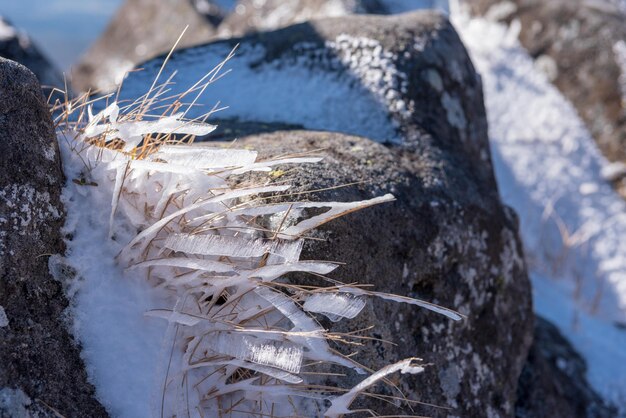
<point x="63" y="29"/>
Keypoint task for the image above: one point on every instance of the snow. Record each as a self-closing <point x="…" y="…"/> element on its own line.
<point x="599" y="342"/>
<point x="308" y="85"/>
<point x="14" y="402"/>
<point x="148" y="243"/>
<point x="7" y="31"/>
<point x="573" y="223"/>
<point x="107" y="306"/>
<point x="4" y="321"/>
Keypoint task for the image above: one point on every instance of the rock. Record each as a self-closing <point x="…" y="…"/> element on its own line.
<point x="554" y="382"/>
<point x="141" y="29"/>
<point x="447" y="239"/>
<point x="581" y="45"/>
<point x="391" y="79"/>
<point x="40" y="366"/>
<point x="253" y="16"/>
<point x="405" y="81"/>
<point x="17" y="46"/>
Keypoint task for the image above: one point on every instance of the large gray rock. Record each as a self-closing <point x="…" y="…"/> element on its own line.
<point x="40" y="367"/>
<point x="404" y="80"/>
<point x="17" y="46"/>
<point x="391" y="79"/>
<point x="554" y="380"/>
<point x="447" y="239"/>
<point x="140" y="29"/>
<point x="579" y="44"/>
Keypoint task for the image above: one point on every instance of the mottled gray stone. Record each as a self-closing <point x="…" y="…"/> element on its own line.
<point x="447" y="239"/>
<point x="425" y="81"/>
<point x="38" y="358"/>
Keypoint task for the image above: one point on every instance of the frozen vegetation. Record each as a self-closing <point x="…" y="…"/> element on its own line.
<point x="176" y="275"/>
<point x="547" y="166"/>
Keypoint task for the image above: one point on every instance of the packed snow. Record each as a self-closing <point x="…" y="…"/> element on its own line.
<point x="121" y="346"/>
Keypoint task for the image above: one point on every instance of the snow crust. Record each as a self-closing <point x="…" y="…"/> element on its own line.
<point x="308" y="84"/>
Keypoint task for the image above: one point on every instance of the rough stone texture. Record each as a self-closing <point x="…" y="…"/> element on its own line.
<point x="554" y="383"/>
<point x="447" y="239"/>
<point x="139" y="30"/>
<point x="576" y="42"/>
<point x="414" y="65"/>
<point x="40" y="367"/>
<point x="17" y="46"/>
<point x="252" y="16"/>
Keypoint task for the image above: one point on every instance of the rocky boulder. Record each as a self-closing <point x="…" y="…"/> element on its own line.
<point x="581" y="46"/>
<point x="447" y="239"/>
<point x="392" y="79"/>
<point x="405" y="81"/>
<point x="140" y="29"/>
<point x="17" y="46"/>
<point x="41" y="373"/>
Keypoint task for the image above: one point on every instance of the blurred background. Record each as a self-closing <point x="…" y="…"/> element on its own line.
<point x="63" y="29"/>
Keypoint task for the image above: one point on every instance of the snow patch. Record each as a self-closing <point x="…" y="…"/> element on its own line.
<point x="309" y="87"/>
<point x="4" y="321"/>
<point x="572" y="222"/>
<point x="107" y="306"/>
<point x="14" y="402"/>
<point x="7" y="31"/>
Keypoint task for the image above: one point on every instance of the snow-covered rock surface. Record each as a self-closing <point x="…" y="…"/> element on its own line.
<point x="546" y="163"/>
<point x="237" y="333"/>
<point x="341" y="75"/>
